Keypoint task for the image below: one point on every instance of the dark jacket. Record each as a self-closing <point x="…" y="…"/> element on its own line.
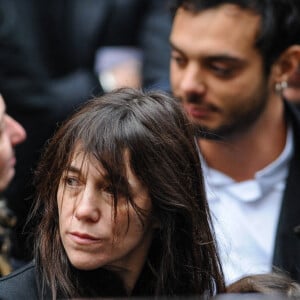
<point x="21" y="284"/>
<point x="287" y="244"/>
<point x="25" y="283"/>
<point x="47" y="56"/>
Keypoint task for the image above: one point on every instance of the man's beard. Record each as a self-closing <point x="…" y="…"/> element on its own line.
<point x="237" y="125"/>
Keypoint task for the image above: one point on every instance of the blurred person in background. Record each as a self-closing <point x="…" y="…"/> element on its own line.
<point x="11" y="134"/>
<point x="48" y="63"/>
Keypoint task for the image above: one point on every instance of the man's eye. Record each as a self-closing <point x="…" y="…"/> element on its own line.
<point x="179" y="60"/>
<point x="222" y="71"/>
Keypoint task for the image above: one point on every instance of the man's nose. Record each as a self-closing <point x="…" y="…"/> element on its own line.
<point x="193" y="81"/>
<point x="16" y="132"/>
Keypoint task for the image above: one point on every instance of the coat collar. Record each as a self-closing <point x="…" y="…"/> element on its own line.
<point x="287" y="243"/>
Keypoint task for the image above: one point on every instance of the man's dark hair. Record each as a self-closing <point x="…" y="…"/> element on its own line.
<point x="280" y="22"/>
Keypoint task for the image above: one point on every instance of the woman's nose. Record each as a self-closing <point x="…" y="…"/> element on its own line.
<point x="87" y="208"/>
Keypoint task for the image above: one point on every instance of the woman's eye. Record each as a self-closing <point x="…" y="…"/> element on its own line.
<point x="109" y="189"/>
<point x="72" y="181"/>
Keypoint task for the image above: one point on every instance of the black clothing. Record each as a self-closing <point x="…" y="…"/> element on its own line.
<point x="21" y="284"/>
<point x="25" y="283"/>
<point x="287" y="244"/>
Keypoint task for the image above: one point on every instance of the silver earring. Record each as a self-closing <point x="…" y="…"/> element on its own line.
<point x="280" y="86"/>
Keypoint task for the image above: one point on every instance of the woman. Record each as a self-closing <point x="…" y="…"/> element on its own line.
<point x="120" y="206"/>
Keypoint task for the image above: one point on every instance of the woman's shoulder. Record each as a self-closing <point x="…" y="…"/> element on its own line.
<point x="20" y="284"/>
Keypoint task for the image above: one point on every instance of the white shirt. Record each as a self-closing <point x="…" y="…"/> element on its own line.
<point x="245" y="215"/>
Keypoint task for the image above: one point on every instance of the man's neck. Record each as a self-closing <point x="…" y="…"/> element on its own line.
<point x="244" y="155"/>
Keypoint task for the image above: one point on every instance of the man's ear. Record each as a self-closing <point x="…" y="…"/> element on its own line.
<point x="287" y="64"/>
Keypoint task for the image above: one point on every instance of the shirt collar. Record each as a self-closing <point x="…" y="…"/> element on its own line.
<point x="269" y="177"/>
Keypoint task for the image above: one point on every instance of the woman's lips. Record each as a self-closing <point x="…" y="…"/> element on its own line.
<point x="83" y="238"/>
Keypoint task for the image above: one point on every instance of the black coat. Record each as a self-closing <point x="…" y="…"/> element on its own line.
<point x="25" y="283"/>
<point x="287" y="243"/>
<point x="47" y="51"/>
<point x="21" y="284"/>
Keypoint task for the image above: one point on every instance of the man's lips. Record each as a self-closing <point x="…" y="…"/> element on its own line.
<point x="84" y="238"/>
<point x="197" y="112"/>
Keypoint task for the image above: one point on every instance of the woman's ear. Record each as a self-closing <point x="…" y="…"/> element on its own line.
<point x="287" y="64"/>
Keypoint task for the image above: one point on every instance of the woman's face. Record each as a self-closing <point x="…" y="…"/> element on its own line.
<point x="92" y="238"/>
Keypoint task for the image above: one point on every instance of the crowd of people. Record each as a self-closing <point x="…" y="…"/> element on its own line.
<point x="175" y="172"/>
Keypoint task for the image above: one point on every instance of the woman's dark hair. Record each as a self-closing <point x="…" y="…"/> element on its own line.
<point x="153" y="129"/>
<point x="280" y="22"/>
<point x="271" y="283"/>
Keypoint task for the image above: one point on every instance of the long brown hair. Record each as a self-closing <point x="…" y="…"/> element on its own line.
<point x="183" y="259"/>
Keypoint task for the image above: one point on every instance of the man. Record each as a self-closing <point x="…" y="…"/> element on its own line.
<point x="11" y="134"/>
<point x="229" y="66"/>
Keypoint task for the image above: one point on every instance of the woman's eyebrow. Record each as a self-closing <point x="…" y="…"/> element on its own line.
<point x="73" y="169"/>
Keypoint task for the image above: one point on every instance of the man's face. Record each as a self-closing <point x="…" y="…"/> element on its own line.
<point x="216" y="71"/>
<point x="11" y="134"/>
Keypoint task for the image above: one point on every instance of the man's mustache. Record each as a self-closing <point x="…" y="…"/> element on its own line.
<point x="199" y="100"/>
<point x="194" y="98"/>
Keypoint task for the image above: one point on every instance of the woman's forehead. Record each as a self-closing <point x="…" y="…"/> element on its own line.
<point x="81" y="158"/>
<point x="85" y="162"/>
